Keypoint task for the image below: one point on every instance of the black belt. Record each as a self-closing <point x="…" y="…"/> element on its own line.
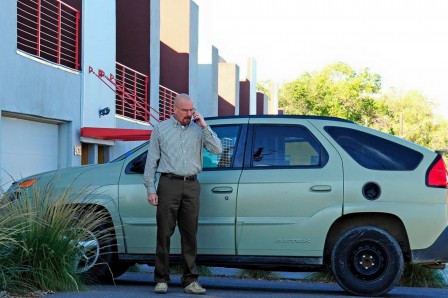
<point x="178" y="177"/>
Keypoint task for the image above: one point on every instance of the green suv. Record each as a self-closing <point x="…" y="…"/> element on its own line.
<point x="291" y="193"/>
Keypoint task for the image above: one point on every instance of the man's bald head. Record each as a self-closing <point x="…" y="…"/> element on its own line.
<point x="180" y="98"/>
<point x="183" y="108"/>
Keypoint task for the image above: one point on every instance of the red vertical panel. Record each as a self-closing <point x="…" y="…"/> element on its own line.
<point x="38" y="29"/>
<point x="59" y="32"/>
<point x="77" y="41"/>
<point x="135" y="95"/>
<point x="146" y="100"/>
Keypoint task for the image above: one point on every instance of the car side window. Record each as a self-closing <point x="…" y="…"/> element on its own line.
<point x="286" y="146"/>
<point x="229" y="136"/>
<point x="373" y="152"/>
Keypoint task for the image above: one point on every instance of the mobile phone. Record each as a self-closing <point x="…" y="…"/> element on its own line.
<point x="194" y="119"/>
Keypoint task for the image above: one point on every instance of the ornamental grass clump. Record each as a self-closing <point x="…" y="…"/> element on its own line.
<point x="40" y="240"/>
<point x="419" y="276"/>
<point x="9" y="271"/>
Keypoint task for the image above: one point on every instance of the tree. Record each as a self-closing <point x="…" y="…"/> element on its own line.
<point x="265" y="87"/>
<point x="340" y="91"/>
<point x="337" y="90"/>
<point x="412" y="117"/>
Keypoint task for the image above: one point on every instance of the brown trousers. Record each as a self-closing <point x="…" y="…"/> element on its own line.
<point x="178" y="202"/>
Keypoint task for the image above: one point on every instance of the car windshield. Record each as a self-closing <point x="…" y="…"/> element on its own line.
<point x="130" y="152"/>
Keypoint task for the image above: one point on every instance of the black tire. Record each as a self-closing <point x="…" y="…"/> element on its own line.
<point x="367" y="261"/>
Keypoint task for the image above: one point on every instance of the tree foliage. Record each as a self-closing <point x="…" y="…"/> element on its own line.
<point x="265" y="87"/>
<point x="411" y="116"/>
<point x="340" y="91"/>
<point x="337" y="90"/>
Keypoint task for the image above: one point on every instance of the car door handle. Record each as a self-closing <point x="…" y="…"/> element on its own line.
<point x="222" y="189"/>
<point x="321" y="188"/>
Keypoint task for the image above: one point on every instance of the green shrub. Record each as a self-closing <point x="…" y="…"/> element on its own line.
<point x="39" y="241"/>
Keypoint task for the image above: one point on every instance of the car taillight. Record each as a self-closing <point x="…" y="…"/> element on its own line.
<point x="436" y="176"/>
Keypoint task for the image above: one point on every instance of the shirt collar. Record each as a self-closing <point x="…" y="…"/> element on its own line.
<point x="177" y="123"/>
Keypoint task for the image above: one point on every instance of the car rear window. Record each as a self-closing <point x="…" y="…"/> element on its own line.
<point x="373" y="152"/>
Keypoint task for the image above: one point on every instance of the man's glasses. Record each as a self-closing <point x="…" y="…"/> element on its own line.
<point x="186" y="110"/>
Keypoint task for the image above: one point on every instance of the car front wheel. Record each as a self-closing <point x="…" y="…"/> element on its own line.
<point x="96" y="250"/>
<point x="367" y="261"/>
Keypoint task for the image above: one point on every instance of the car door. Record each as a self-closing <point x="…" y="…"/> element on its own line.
<point x="219" y="188"/>
<point x="290" y="191"/>
<point x="219" y="180"/>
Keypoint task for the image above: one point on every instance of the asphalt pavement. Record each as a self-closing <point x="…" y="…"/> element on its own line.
<point x="224" y="284"/>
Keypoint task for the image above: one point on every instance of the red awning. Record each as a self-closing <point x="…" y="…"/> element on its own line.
<point x="117" y="134"/>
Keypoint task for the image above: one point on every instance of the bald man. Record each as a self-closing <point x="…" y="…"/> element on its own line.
<point x="175" y="151"/>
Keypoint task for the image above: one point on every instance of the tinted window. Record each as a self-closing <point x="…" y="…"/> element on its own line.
<point x="286" y="146"/>
<point x="229" y="138"/>
<point x="137" y="165"/>
<point x="374" y="152"/>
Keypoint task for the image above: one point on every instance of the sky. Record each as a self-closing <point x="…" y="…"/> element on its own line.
<point x="405" y="41"/>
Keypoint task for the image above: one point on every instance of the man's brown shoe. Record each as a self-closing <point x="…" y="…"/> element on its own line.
<point x="194" y="288"/>
<point x="161" y="288"/>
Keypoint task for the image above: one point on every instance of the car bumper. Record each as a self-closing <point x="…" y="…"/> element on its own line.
<point x="436" y="253"/>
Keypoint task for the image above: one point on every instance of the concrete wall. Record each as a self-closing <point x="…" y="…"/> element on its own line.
<point x="99" y="51"/>
<point x="138" y="46"/>
<point x="273" y="101"/>
<point x="193" y="50"/>
<point x="154" y="58"/>
<point x="121" y="147"/>
<point x="252" y="78"/>
<point x="262" y="103"/>
<point x="133" y="34"/>
<point x="30" y="86"/>
<point x="228" y="89"/>
<point x="207" y="98"/>
<point x="245" y="97"/>
<point x="175" y="44"/>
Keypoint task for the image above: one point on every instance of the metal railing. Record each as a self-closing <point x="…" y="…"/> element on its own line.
<point x="166" y="102"/>
<point x="131" y="90"/>
<point x="132" y="93"/>
<point x="49" y="29"/>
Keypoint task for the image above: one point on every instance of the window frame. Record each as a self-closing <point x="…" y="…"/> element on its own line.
<point x="248" y="160"/>
<point x="238" y="156"/>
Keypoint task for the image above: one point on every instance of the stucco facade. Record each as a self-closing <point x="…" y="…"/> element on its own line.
<point x="157" y="39"/>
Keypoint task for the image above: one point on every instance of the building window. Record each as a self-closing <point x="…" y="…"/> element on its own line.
<point x="49" y="29"/>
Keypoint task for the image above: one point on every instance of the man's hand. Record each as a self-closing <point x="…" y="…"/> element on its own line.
<point x="153" y="199"/>
<point x="199" y="119"/>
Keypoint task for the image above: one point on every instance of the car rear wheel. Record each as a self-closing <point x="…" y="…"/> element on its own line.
<point x="367" y="261"/>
